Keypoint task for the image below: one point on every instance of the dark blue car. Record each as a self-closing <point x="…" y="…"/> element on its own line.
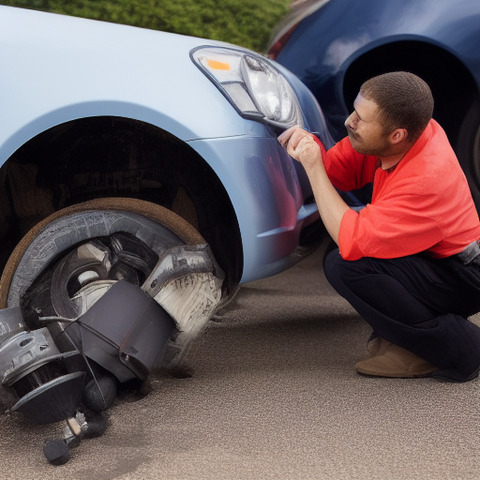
<point x="335" y="45"/>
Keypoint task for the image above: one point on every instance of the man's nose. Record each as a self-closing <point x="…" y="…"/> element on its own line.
<point x="351" y="121"/>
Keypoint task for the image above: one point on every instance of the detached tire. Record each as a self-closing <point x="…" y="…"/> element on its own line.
<point x="155" y="226"/>
<point x="468" y="149"/>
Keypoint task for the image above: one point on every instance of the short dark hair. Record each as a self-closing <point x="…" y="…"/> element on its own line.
<point x="404" y="100"/>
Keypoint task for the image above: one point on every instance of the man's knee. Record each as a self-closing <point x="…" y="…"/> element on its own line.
<point x="348" y="274"/>
<point x="332" y="267"/>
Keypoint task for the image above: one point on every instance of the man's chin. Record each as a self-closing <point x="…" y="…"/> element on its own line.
<point x="354" y="142"/>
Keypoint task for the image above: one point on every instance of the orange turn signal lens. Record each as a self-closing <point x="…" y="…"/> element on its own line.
<point x="216" y="65"/>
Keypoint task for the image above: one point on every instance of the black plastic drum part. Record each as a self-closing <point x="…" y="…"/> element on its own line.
<point x="124" y="332"/>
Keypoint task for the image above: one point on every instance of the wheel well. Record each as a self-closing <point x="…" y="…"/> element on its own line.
<point x="452" y="85"/>
<point x="108" y="157"/>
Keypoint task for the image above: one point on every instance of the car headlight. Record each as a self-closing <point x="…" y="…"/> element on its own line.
<point x="252" y="84"/>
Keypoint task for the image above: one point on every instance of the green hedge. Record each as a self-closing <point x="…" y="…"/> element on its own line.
<point x="243" y="22"/>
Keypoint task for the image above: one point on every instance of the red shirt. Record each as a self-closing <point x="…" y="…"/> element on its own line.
<point x="422" y="204"/>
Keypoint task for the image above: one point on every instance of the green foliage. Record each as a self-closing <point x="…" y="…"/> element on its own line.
<point x="243" y="22"/>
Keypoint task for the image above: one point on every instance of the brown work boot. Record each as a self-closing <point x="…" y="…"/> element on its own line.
<point x="395" y="362"/>
<point x="377" y="346"/>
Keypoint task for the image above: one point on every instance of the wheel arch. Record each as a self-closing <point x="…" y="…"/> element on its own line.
<point x="107" y="156"/>
<point x="452" y="84"/>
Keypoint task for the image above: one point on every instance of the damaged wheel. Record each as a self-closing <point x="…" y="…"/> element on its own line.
<point x="72" y="258"/>
<point x="132" y="229"/>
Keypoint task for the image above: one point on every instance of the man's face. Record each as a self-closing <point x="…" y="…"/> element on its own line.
<point x="367" y="135"/>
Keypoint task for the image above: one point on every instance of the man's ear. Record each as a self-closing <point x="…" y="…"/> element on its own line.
<point x="398" y="136"/>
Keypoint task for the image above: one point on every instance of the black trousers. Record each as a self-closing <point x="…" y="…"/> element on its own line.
<point x="418" y="303"/>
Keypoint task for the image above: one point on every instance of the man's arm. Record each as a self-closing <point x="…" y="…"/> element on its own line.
<point x="301" y="146"/>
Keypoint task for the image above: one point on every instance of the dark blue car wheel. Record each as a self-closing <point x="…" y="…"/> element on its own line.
<point x="468" y="149"/>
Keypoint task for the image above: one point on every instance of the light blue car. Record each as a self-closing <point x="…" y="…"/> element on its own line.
<point x="92" y="109"/>
<point x="137" y="156"/>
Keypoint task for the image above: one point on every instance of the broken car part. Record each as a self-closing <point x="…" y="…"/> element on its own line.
<point x="102" y="313"/>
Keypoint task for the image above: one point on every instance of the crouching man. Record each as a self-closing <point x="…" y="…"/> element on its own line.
<point x="409" y="262"/>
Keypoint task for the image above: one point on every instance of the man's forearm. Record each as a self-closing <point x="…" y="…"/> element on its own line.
<point x="330" y="204"/>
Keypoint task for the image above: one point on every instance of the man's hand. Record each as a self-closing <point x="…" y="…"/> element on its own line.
<point x="301" y="146"/>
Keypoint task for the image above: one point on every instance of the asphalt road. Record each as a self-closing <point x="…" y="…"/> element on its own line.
<point x="273" y="395"/>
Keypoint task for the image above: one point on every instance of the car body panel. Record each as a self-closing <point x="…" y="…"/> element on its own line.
<point x="86" y="67"/>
